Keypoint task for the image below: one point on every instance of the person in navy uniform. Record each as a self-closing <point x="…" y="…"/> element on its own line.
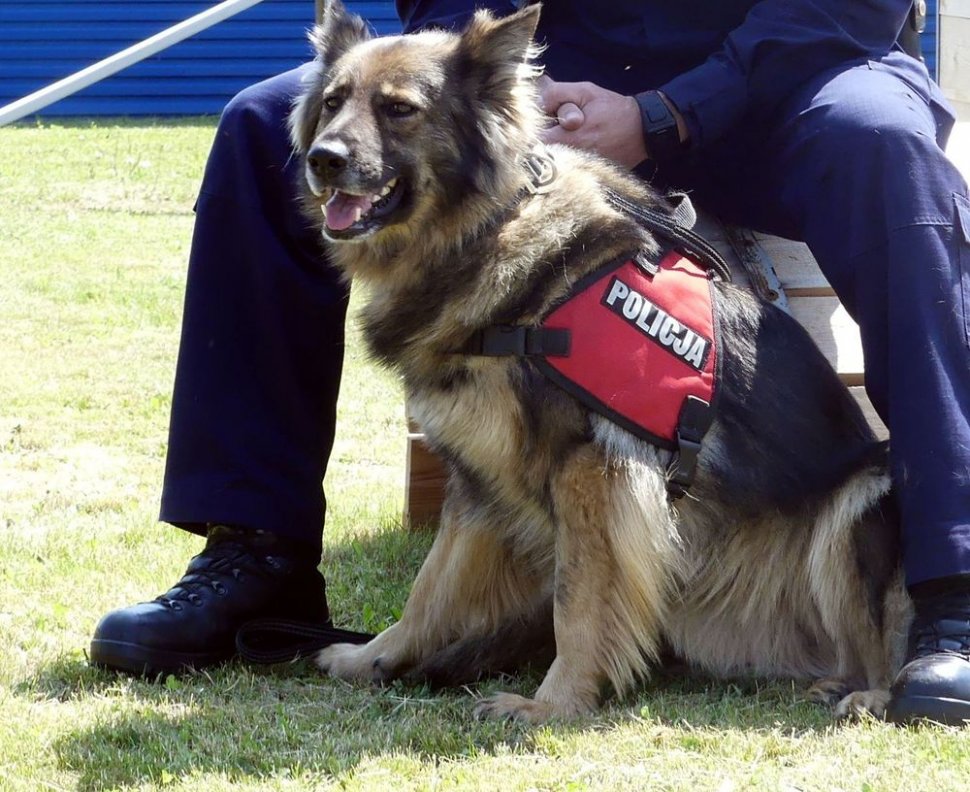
<point x="801" y="118"/>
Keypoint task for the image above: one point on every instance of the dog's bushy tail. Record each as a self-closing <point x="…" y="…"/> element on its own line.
<point x="519" y="642"/>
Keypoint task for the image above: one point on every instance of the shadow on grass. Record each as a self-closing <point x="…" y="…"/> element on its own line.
<point x="244" y="722"/>
<point x="250" y="726"/>
<point x="285" y="722"/>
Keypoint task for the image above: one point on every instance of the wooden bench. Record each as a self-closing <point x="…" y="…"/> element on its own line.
<point x="810" y="299"/>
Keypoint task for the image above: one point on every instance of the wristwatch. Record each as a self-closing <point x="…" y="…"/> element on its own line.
<point x="659" y="128"/>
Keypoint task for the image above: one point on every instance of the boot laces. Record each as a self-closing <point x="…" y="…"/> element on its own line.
<point x="208" y="570"/>
<point x="942" y="626"/>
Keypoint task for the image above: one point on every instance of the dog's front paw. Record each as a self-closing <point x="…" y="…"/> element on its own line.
<point x="830" y="691"/>
<point x="509" y="706"/>
<point x="351" y="662"/>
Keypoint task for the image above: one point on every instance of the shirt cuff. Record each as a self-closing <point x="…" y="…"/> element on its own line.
<point x="711" y="98"/>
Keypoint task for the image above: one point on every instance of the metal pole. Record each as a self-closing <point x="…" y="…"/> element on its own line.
<point x="121" y="60"/>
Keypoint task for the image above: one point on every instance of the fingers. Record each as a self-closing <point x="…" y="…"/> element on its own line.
<point x="554" y="134"/>
<point x="552" y="93"/>
<point x="570" y="116"/>
<point x="563" y="102"/>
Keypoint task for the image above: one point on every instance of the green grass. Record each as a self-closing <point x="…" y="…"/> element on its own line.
<point x="95" y="223"/>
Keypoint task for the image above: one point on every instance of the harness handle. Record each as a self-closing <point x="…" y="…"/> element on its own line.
<point x="674" y="226"/>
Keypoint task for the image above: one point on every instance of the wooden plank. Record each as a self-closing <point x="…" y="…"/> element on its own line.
<point x="958" y="147"/>
<point x="795" y="267"/>
<point x="426" y="474"/>
<point x="793" y="261"/>
<point x="859" y="393"/>
<point x="835" y="332"/>
<point x="425" y="484"/>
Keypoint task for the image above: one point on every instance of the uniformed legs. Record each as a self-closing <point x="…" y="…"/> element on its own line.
<point x="262" y="338"/>
<point x="254" y="405"/>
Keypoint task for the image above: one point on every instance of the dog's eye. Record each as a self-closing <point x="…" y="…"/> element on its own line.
<point x="401" y="109"/>
<point x="332" y="102"/>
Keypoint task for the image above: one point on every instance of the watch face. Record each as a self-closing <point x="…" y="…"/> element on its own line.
<point x="655" y="112"/>
<point x="659" y="127"/>
<point x="657" y="116"/>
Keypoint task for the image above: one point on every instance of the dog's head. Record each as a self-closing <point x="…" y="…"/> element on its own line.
<point x="401" y="131"/>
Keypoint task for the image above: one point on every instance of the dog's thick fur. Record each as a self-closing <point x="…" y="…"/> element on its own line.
<point x="782" y="560"/>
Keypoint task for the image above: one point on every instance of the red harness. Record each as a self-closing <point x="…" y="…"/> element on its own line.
<point x="637" y="344"/>
<point x="641" y="344"/>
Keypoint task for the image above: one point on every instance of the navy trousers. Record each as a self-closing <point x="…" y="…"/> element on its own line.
<point x="852" y="164"/>
<point x="254" y="403"/>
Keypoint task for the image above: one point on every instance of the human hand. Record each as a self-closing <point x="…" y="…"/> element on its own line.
<point x="593" y="118"/>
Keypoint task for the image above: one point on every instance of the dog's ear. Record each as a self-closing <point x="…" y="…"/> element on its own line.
<point x="338" y="32"/>
<point x="493" y="51"/>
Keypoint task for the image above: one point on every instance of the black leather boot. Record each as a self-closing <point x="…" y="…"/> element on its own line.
<point x="934" y="685"/>
<point x="240" y="575"/>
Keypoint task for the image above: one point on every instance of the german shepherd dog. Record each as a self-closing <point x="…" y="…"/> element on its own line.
<point x="782" y="560"/>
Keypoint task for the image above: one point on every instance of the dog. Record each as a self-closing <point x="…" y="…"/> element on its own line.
<point x="560" y="526"/>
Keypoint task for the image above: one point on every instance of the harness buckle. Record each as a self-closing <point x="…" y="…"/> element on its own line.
<point x="504" y="340"/>
<point x="522" y="341"/>
<point x="695" y="419"/>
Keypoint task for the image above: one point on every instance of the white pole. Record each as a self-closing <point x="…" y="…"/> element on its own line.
<point x="121" y="60"/>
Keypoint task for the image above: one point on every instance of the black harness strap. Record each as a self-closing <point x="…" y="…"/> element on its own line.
<point x="518" y="340"/>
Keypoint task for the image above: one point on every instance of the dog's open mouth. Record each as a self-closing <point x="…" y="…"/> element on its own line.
<point x="348" y="215"/>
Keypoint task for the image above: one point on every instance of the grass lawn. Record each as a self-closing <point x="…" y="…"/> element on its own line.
<point x="95" y="223"/>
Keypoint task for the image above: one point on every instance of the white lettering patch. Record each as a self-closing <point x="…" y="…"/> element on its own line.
<point x="656" y="324"/>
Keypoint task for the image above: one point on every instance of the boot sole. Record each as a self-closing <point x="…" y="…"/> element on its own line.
<point x="911" y="709"/>
<point x="141" y="660"/>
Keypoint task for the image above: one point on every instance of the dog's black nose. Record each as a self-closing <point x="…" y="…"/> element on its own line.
<point x="327" y="160"/>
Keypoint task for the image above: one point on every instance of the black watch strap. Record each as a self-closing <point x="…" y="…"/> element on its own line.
<point x="659" y="128"/>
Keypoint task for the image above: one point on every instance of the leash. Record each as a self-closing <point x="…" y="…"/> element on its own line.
<point x="268" y="641"/>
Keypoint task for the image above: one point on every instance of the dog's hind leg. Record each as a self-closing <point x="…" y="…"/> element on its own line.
<point x="469" y="584"/>
<point x="858" y="588"/>
<point x="614" y="557"/>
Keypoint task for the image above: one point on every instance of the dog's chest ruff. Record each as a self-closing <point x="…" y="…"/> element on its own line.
<point x="636" y="344"/>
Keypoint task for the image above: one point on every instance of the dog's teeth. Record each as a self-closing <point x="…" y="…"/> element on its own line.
<point x="357" y="214"/>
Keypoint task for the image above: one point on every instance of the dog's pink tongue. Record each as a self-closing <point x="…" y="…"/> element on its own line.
<point x="341" y="209"/>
